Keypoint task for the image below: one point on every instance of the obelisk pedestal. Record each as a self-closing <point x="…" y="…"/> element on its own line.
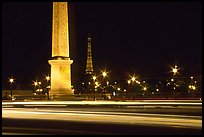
<point x="60" y="63"/>
<point x="60" y="77"/>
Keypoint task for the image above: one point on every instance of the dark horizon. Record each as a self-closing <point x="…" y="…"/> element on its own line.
<point x="127" y="38"/>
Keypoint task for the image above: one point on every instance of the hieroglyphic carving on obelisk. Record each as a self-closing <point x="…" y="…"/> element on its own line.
<point x="60" y="63"/>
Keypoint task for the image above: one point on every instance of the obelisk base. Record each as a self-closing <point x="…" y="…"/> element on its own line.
<point x="60" y="78"/>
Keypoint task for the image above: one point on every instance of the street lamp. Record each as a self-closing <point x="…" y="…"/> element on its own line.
<point x="104" y="74"/>
<point x="129" y="81"/>
<point x="35" y="83"/>
<point x="133" y="78"/>
<point x="174" y="70"/>
<point x="47" y="78"/>
<point x="47" y="85"/>
<point x="94" y="78"/>
<point x="11" y="80"/>
<point x="192" y="88"/>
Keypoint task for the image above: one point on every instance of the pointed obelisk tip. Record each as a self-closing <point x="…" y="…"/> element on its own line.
<point x="89" y="35"/>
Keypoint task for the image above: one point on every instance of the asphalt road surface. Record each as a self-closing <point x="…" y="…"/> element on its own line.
<point x="102" y="118"/>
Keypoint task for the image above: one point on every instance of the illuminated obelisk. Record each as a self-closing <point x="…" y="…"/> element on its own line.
<point x="60" y="63"/>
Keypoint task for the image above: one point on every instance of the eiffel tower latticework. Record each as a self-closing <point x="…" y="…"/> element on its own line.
<point x="89" y="64"/>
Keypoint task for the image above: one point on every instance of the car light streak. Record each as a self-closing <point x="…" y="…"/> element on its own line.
<point x="138" y="119"/>
<point x="101" y="103"/>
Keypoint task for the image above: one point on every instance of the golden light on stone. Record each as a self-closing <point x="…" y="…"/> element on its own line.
<point x="61" y="63"/>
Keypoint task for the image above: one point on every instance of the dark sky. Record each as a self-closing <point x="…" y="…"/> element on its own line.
<point x="127" y="38"/>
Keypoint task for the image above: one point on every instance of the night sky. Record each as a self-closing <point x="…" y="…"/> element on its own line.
<point x="127" y="38"/>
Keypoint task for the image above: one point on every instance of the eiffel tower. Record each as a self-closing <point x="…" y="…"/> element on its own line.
<point x="89" y="64"/>
<point x="88" y="81"/>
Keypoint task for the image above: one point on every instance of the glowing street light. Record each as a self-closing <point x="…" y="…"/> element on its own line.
<point x="35" y="83"/>
<point x="11" y="80"/>
<point x="193" y="87"/>
<point x="104" y="74"/>
<point x="175" y="70"/>
<point x="145" y="88"/>
<point x="129" y="81"/>
<point x="94" y="78"/>
<point x="96" y="83"/>
<point x="47" y="78"/>
<point x="133" y="78"/>
<point x="137" y="82"/>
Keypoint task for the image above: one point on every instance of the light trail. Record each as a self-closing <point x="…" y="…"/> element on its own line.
<point x="106" y="117"/>
<point x="104" y="103"/>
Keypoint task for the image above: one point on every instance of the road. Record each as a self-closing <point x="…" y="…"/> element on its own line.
<point x="98" y="117"/>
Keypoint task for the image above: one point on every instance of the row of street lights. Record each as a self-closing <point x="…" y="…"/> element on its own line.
<point x="35" y="83"/>
<point x="142" y="84"/>
<point x="104" y="74"/>
<point x="38" y="87"/>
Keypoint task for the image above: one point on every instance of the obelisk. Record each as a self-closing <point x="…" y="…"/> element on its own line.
<point x="60" y="63"/>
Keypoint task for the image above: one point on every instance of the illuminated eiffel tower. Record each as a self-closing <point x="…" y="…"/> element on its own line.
<point x="89" y="64"/>
<point x="88" y="80"/>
